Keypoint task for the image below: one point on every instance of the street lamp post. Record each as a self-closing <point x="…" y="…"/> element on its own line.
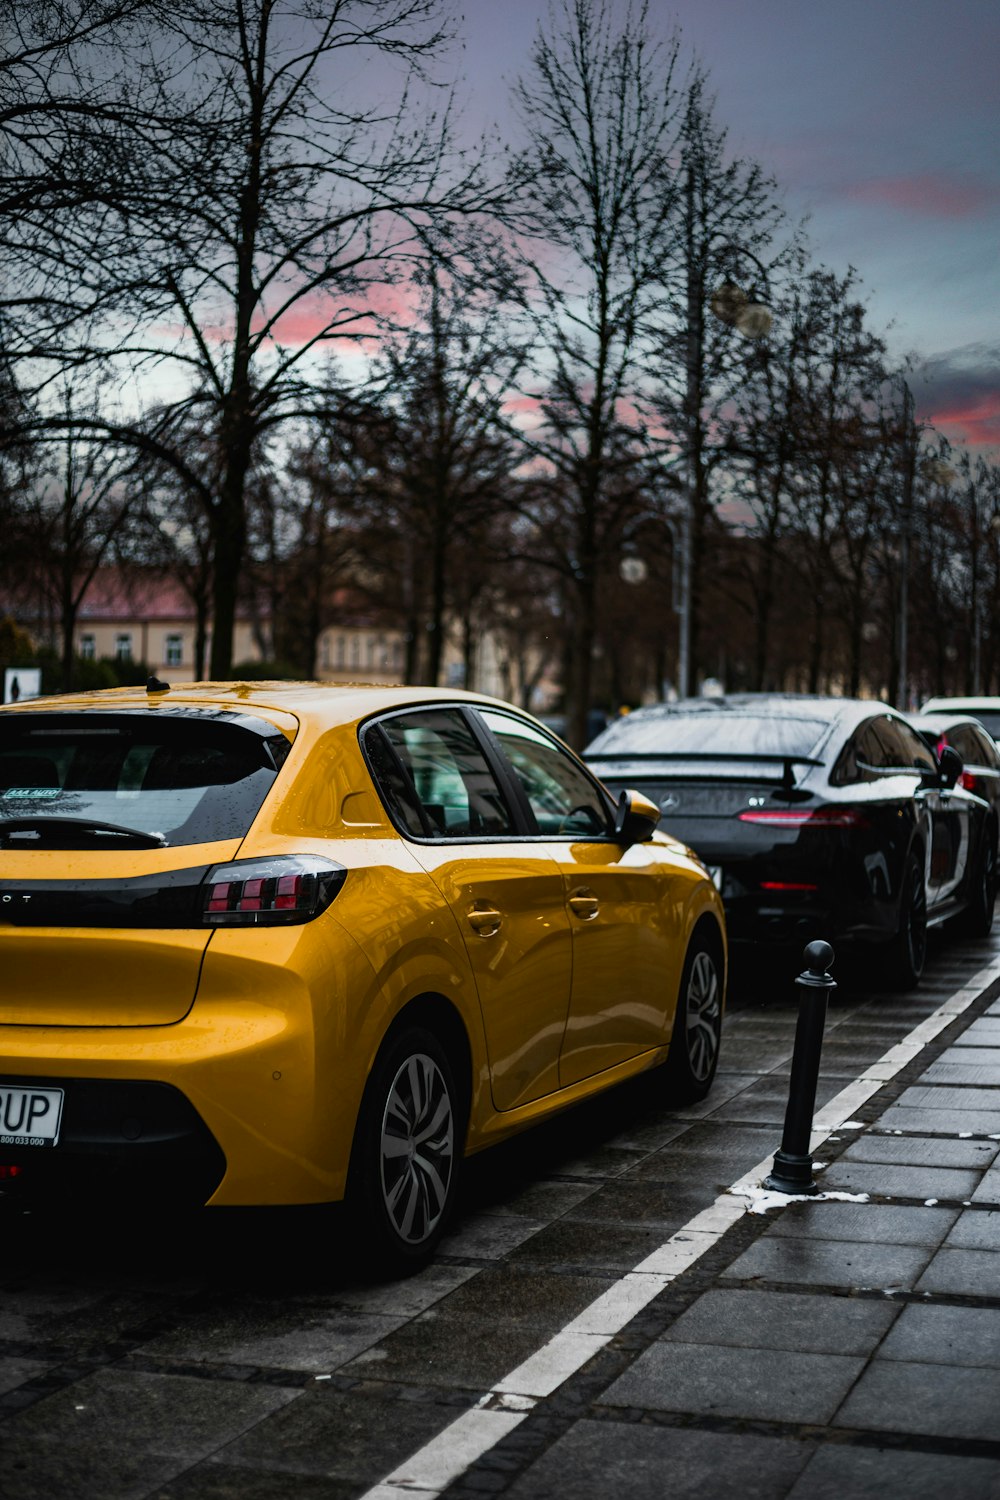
<point x="906" y="521"/>
<point x="633" y="569"/>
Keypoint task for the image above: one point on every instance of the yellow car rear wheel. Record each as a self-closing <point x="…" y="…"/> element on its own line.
<point x="407" y="1150"/>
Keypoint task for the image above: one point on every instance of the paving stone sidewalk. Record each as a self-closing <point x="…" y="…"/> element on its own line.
<point x="831" y="1348"/>
<point x="847" y="1350"/>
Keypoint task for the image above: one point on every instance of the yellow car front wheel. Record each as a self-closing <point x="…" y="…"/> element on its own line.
<point x="694" y="1046"/>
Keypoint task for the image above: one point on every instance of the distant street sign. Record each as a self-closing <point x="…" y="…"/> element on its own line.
<point x="21" y="682"/>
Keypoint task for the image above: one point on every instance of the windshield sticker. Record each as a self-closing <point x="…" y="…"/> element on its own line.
<point x="32" y="793"/>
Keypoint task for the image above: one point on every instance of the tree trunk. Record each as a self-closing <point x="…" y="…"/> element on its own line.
<point x="580" y="665"/>
<point x="229" y="538"/>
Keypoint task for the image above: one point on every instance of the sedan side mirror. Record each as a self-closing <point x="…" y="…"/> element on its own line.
<point x="636" y="818"/>
<point x="952" y="765"/>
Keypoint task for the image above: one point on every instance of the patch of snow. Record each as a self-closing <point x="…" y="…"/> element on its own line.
<point x="760" y="1200"/>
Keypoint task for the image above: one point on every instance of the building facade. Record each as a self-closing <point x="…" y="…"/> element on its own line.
<point x="151" y="619"/>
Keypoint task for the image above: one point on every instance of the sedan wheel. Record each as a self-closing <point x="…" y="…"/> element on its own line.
<point x="977" y="919"/>
<point x="404" y="1171"/>
<point x="694" y="1046"/>
<point x="906" y="954"/>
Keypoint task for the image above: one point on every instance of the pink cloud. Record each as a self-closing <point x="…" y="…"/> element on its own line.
<point x="930" y="196"/>
<point x="976" y="423"/>
<point x="310" y="315"/>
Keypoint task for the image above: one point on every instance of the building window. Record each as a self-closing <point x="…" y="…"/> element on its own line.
<point x="123" y="647"/>
<point x="341" y="658"/>
<point x="175" y="650"/>
<point x="87" y="647"/>
<point x="355" y="651"/>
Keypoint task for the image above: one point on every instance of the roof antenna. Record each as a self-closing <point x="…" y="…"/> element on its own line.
<point x="154" y="685"/>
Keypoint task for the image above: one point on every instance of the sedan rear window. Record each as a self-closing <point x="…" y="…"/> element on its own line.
<point x="714" y="732"/>
<point x="143" y="780"/>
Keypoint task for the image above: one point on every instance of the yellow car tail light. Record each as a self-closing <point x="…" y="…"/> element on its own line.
<point x="283" y="890"/>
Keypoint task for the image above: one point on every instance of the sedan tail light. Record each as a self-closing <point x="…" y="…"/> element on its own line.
<point x="282" y="891"/>
<point x="815" y="817"/>
<point x="969" y="782"/>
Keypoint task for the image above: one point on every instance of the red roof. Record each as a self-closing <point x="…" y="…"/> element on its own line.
<point x="114" y="595"/>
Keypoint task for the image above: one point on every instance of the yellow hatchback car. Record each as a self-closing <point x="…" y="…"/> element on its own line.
<point x="284" y="943"/>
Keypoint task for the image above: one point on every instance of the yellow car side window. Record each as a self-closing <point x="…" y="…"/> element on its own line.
<point x="446" y="772"/>
<point x="562" y="796"/>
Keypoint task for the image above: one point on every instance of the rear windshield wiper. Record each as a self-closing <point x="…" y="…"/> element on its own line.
<point x="75" y="833"/>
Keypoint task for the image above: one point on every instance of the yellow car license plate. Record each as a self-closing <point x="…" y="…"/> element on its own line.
<point x="29" y="1117"/>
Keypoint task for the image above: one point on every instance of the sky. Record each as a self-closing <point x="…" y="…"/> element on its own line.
<point x="880" y="120"/>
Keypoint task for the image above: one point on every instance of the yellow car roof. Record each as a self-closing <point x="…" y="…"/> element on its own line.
<point x="325" y="705"/>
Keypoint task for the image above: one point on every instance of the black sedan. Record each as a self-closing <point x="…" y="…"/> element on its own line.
<point x="817" y="817"/>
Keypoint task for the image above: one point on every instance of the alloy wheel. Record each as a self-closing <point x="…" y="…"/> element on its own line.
<point x="989" y="879"/>
<point x="417" y="1148"/>
<point x="916" y="919"/>
<point x="704" y="1009"/>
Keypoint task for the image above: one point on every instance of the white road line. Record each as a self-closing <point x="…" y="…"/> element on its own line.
<point x="434" y="1466"/>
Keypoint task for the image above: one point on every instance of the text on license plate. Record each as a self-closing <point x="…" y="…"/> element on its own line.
<point x="29" y="1117"/>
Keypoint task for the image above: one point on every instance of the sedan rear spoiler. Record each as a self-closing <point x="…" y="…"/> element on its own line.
<point x="717" y="757"/>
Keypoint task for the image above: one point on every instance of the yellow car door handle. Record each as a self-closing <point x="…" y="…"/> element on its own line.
<point x="484" y="920"/>
<point x="584" y="904"/>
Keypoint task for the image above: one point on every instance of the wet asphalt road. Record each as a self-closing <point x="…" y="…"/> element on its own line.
<point x="247" y="1354"/>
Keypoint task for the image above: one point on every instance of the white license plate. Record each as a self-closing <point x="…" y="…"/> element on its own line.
<point x="29" y="1117"/>
<point x="715" y="871"/>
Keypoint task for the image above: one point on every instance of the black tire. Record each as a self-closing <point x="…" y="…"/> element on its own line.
<point x="694" y="1045"/>
<point x="904" y="956"/>
<point x="977" y="919"/>
<point x="407" y="1152"/>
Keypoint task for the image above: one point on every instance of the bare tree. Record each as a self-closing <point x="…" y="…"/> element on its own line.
<point x="601" y="112"/>
<point x="79" y="92"/>
<point x="840" y="368"/>
<point x="303" y="549"/>
<point x="173" y="532"/>
<point x="973" y="504"/>
<point x="71" y="519"/>
<point x="20" y="459"/>
<point x="268" y="210"/>
<point x="719" y="278"/>
<point x="443" y="459"/>
<point x="865" y="472"/>
<point x="761" y="432"/>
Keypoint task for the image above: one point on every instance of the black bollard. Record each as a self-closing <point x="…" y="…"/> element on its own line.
<point x="792" y="1170"/>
